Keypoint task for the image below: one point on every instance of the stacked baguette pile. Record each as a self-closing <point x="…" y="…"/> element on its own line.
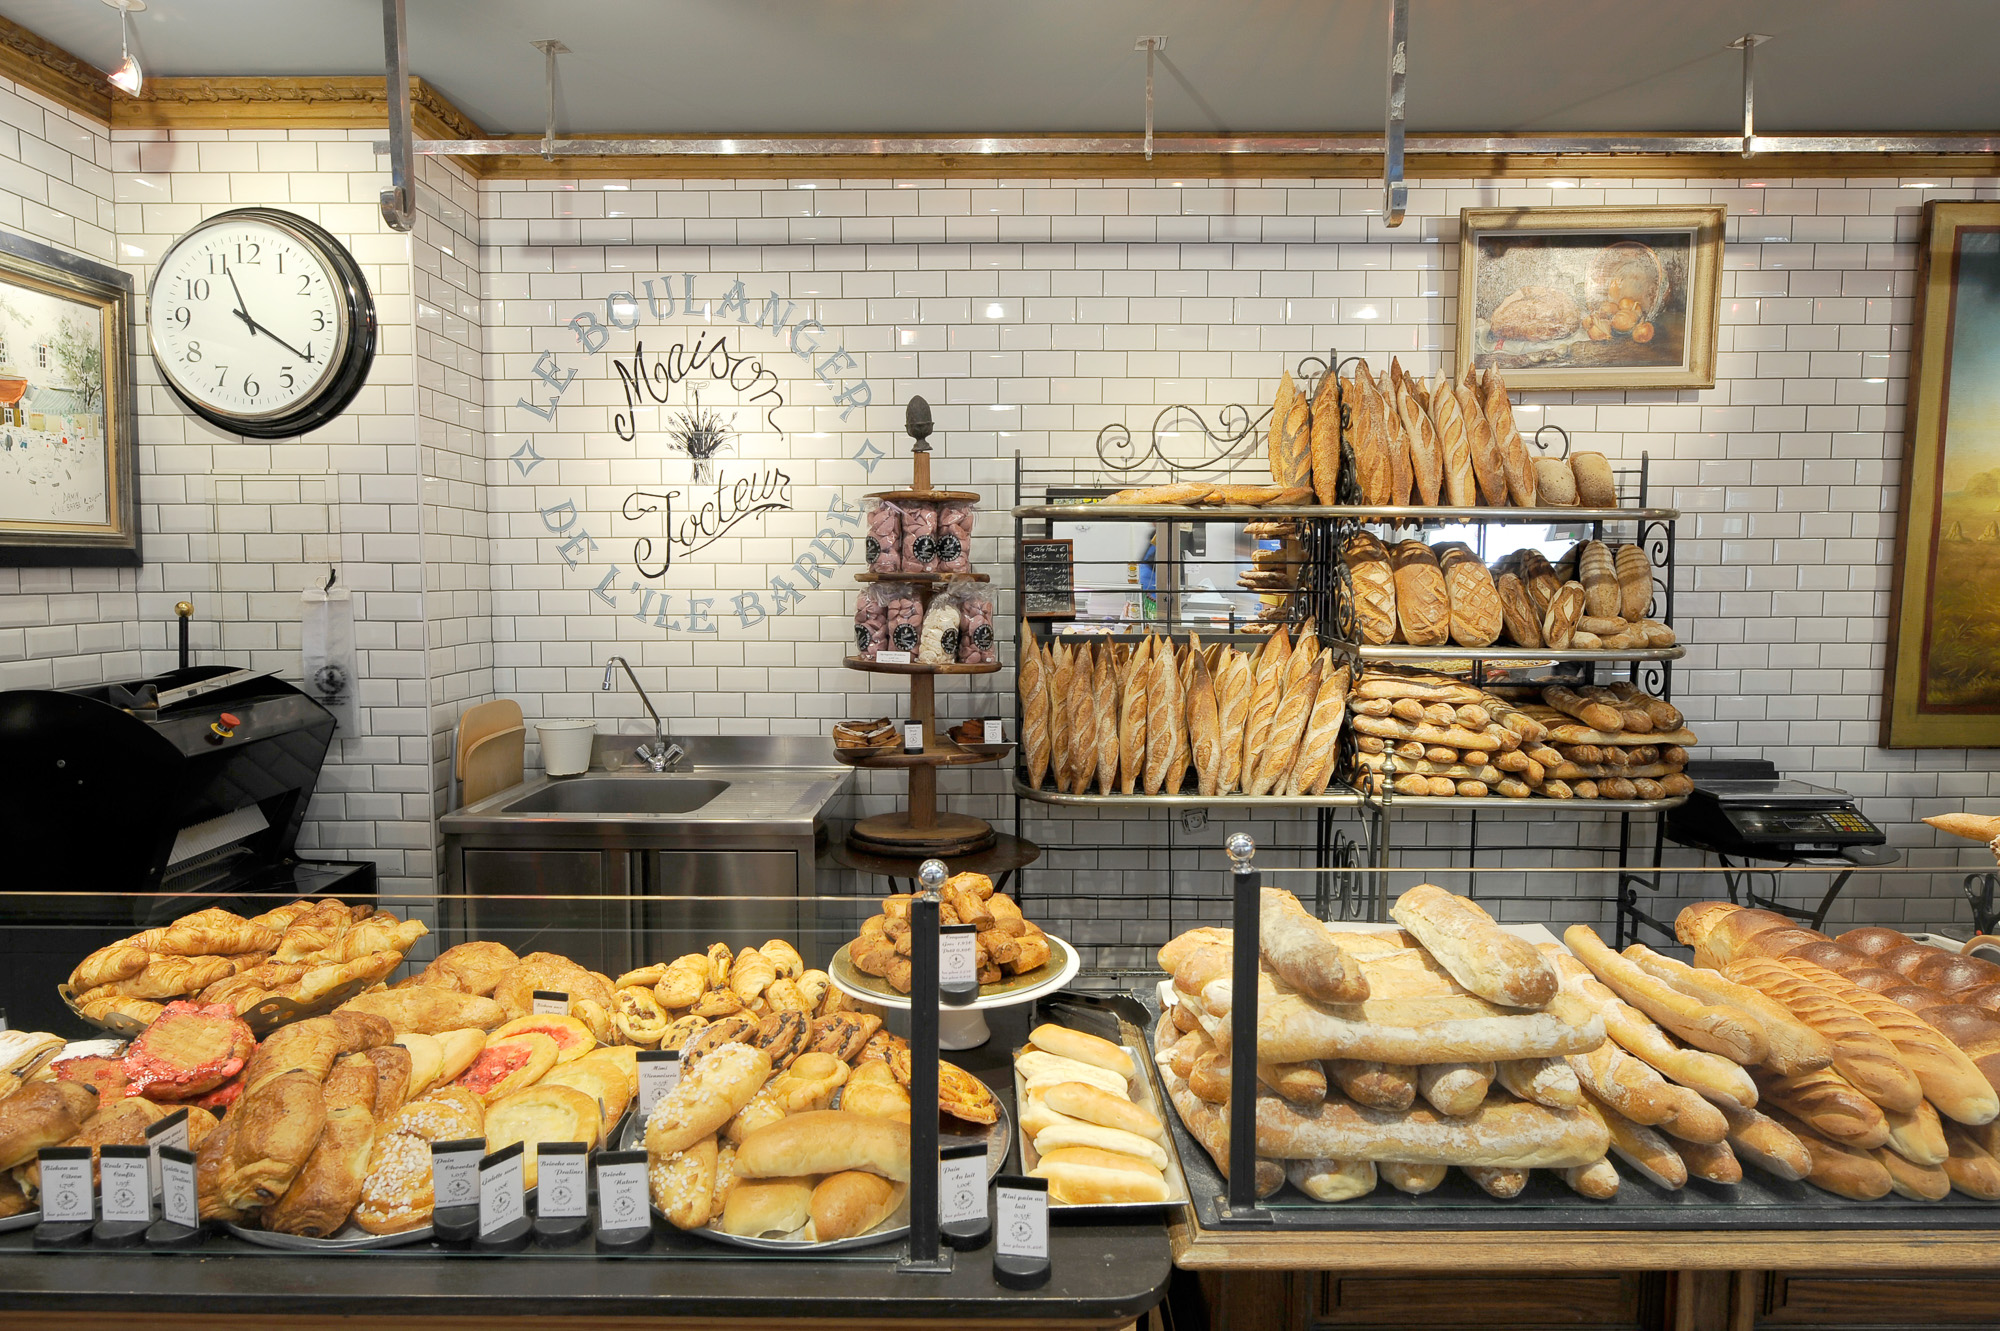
<point x="1150" y="717"/>
<point x="1390" y="1055"/>
<point x="1421" y="733"/>
<point x="1274" y="571"/>
<point x="1007" y="942"/>
<point x="1428" y="596"/>
<point x="1909" y="1098"/>
<point x="302" y="951"/>
<point x="1092" y="1143"/>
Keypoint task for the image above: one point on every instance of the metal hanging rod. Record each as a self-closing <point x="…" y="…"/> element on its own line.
<point x="1395" y="191"/>
<point x="1324" y="145"/>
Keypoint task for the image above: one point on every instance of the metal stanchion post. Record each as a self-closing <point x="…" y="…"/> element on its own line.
<point x="925" y="1255"/>
<point x="1240" y="1204"/>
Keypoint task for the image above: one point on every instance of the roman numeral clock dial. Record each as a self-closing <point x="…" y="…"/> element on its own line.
<point x="261" y="323"/>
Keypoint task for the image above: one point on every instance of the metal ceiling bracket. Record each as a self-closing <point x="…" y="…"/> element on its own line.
<point x="1748" y="44"/>
<point x="550" y="49"/>
<point x="1395" y="193"/>
<point x="399" y="203"/>
<point x="1151" y="46"/>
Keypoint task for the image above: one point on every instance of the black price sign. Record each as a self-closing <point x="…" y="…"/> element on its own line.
<point x="1048" y="579"/>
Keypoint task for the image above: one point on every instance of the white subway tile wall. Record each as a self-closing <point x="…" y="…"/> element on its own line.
<point x="1031" y="314"/>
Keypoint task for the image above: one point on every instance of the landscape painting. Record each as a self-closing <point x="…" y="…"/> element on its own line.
<point x="66" y="437"/>
<point x="1943" y="681"/>
<point x="1590" y="297"/>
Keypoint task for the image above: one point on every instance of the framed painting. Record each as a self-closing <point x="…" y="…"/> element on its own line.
<point x="1585" y="298"/>
<point x="1942" y="684"/>
<point x="68" y="460"/>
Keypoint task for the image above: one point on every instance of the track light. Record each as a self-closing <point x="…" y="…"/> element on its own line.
<point x="128" y="77"/>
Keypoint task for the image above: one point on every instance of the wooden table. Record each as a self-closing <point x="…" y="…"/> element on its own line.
<point x="998" y="861"/>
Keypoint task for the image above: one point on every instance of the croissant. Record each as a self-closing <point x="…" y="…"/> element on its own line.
<point x="208" y="933"/>
<point x="751" y="975"/>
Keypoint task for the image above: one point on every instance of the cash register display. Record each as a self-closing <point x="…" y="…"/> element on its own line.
<point x="1800" y="823"/>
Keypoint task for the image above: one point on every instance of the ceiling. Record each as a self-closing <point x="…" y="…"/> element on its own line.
<point x="714" y="67"/>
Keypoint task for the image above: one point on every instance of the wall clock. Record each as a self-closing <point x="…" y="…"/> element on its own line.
<point x="261" y="323"/>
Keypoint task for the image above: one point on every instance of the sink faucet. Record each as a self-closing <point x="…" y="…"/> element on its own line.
<point x="663" y="755"/>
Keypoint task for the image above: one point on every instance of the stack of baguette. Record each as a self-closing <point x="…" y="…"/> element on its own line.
<point x="1421" y="733"/>
<point x="1355" y="1029"/>
<point x="1148" y="718"/>
<point x="1427" y="596"/>
<point x="1274" y="570"/>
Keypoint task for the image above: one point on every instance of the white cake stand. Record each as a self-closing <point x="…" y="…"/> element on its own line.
<point x="964" y="1027"/>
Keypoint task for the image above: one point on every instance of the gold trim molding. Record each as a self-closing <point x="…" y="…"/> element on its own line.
<point x="321" y="102"/>
<point x="34" y="62"/>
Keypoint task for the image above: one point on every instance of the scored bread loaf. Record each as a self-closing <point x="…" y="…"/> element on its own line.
<point x="1555" y="484"/>
<point x="1205" y="730"/>
<point x="1288" y="726"/>
<point x="1518" y="614"/>
<point x="1423" y="605"/>
<point x="1646" y="1150"/>
<point x="1266" y="692"/>
<point x="1369" y="440"/>
<point x="1232" y="710"/>
<point x="1485" y="454"/>
<point x="1793" y="1046"/>
<point x="1375" y="1084"/>
<point x="1104" y="695"/>
<point x="1719" y="1028"/>
<point x="1132" y="709"/>
<point x="1475" y="615"/>
<point x="1326" y="439"/>
<point x="1519" y="471"/>
<point x="1598" y="573"/>
<point x="1635" y="581"/>
<point x="1461" y="489"/>
<point x="1426" y="455"/>
<point x="1374" y="585"/>
<point x="1488" y="961"/>
<point x="1312" y="770"/>
<point x="1861" y="1054"/>
<point x="1559" y="620"/>
<point x="1767" y="1144"/>
<point x="1830" y="1103"/>
<point x="1710" y="1074"/>
<point x="1034" y="681"/>
<point x="1839" y="1167"/>
<point x="1401" y="476"/>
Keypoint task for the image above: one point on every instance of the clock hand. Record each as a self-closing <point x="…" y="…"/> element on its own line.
<point x="302" y="355"/>
<point x="242" y="313"/>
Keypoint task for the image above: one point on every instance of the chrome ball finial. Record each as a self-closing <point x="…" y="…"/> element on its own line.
<point x="931" y="874"/>
<point x="1241" y="848"/>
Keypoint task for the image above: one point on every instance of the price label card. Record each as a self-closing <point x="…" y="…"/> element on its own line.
<point x="659" y="1073"/>
<point x="550" y="1003"/>
<point x="893" y="658"/>
<point x="455" y="1171"/>
<point x="66" y="1197"/>
<point x="1021" y="1218"/>
<point x="562" y="1180"/>
<point x="125" y="1190"/>
<point x="621" y="1189"/>
<point x="502" y="1189"/>
<point x="169" y="1131"/>
<point x="961" y="1184"/>
<point x="177" y="1198"/>
<point x="994" y="734"/>
<point x="958" y="956"/>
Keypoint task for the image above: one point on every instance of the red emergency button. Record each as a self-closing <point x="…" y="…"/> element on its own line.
<point x="223" y="727"/>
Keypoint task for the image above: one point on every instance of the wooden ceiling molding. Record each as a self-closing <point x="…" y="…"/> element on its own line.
<point x="359" y="102"/>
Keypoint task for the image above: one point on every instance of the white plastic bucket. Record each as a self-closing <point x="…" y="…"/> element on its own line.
<point x="566" y="746"/>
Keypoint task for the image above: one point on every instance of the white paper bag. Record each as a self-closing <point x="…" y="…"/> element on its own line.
<point x="331" y="675"/>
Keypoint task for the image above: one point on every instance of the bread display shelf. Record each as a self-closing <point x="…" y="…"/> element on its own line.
<point x="925" y="579"/>
<point x="1537" y="655"/>
<point x="867" y="666"/>
<point x="1536" y="803"/>
<point x="941" y="753"/>
<point x="1406" y="514"/>
<point x="1188" y="799"/>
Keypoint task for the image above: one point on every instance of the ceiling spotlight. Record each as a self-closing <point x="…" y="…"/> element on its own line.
<point x="128" y="77"/>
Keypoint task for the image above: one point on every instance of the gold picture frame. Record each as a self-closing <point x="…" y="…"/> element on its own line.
<point x="1591" y="297"/>
<point x="68" y="427"/>
<point x="1941" y="687"/>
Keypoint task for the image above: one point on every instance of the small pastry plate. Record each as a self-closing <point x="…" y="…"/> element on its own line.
<point x="1143" y="1093"/>
<point x="350" y="1237"/>
<point x="996" y="1137"/>
<point x="25" y="1220"/>
<point x="1054" y="973"/>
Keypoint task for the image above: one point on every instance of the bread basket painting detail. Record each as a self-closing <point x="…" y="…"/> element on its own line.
<point x="1590" y="298"/>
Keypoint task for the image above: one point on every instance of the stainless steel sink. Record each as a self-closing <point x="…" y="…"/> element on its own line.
<point x="613" y="795"/>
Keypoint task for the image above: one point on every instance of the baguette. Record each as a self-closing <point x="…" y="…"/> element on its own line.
<point x="1034" y="686"/>
<point x="1949" y="1079"/>
<point x="1288" y="727"/>
<point x="1426" y="456"/>
<point x="1640" y="1147"/>
<point x="1841" y="1168"/>
<point x="1205" y="731"/>
<point x="1369" y="441"/>
<point x="1162" y="704"/>
<point x="1919" y="1137"/>
<point x="1291" y="1029"/>
<point x="1486" y="464"/>
<point x="1416" y="1180"/>
<point x="1861" y="1054"/>
<point x="1545" y="1081"/>
<point x="1456" y="1089"/>
<point x="1490" y="962"/>
<point x="1499" y="1134"/>
<point x="1082" y="699"/>
<point x="1374" y="1084"/>
<point x="1312" y="770"/>
<point x="1793" y="1046"/>
<point x="1401" y="476"/>
<point x="1713" y="1161"/>
<point x="1597" y="1180"/>
<point x="1709" y="1074"/>
<point x="1501" y="1183"/>
<point x="1265" y="694"/>
<point x="1514" y="464"/>
<point x="1830" y="1103"/>
<point x="1296" y="946"/>
<point x="1209" y="1125"/>
<point x="1971" y="1168"/>
<point x="1104" y="696"/>
<point x="1767" y="1144"/>
<point x="1325" y="431"/>
<point x="1461" y="489"/>
<point x="1332" y="1180"/>
<point x="1627" y="1084"/>
<point x="1720" y="1029"/>
<point x="1132" y="716"/>
<point x="1921" y="1183"/>
<point x="1277" y="447"/>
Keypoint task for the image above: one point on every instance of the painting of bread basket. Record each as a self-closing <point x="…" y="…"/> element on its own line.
<point x="1590" y="297"/>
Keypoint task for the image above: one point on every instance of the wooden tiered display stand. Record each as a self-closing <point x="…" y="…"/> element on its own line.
<point x="922" y="830"/>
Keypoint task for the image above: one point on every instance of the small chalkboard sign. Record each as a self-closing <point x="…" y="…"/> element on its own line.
<point x="1048" y="579"/>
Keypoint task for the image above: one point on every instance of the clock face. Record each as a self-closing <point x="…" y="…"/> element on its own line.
<point x="253" y="320"/>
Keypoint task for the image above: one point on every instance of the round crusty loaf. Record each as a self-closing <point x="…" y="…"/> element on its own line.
<point x="1595" y="487"/>
<point x="1555" y="483"/>
<point x="1559" y="622"/>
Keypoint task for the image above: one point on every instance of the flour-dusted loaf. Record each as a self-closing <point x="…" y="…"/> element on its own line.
<point x="1296" y="946"/>
<point x="1374" y="583"/>
<point x="1461" y="489"/>
<point x="1501" y="1133"/>
<point x="1426" y="454"/>
<point x="1635" y="581"/>
<point x="1518" y="614"/>
<point x="1326" y="439"/>
<point x="1555" y="484"/>
<point x="1485" y="453"/>
<point x="1475" y="602"/>
<point x="1423" y="606"/>
<point x="1369" y="440"/>
<point x="1519" y="471"/>
<point x="1595" y="486"/>
<point x="1490" y="962"/>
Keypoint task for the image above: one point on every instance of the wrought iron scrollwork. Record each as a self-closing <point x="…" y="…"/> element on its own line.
<point x="1230" y="441"/>
<point x="1536" y="439"/>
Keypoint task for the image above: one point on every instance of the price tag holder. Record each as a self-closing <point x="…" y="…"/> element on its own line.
<point x="169" y="1131"/>
<point x="962" y="1216"/>
<point x="893" y="658"/>
<point x="1021" y="1232"/>
<point x="624" y="1217"/>
<point x="994" y="733"/>
<point x="958" y="964"/>
<point x="180" y="1219"/>
<point x="504" y="1223"/>
<point x="69" y="1204"/>
<point x="550" y="1003"/>
<point x="455" y="1186"/>
<point x="659" y="1073"/>
<point x="124" y="1196"/>
<point x="562" y="1193"/>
